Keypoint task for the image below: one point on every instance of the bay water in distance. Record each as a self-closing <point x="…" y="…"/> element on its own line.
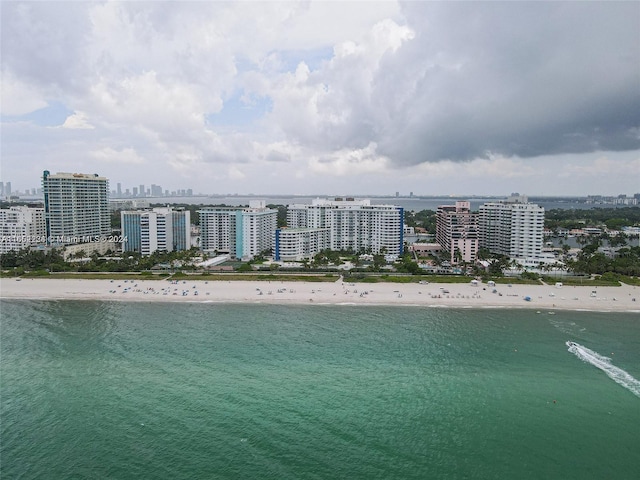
<point x="120" y="390"/>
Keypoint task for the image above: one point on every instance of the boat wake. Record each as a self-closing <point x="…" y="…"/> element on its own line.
<point x="604" y="363"/>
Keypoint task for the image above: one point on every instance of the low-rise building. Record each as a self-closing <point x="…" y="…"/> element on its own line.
<point x="85" y="250"/>
<point x="425" y="249"/>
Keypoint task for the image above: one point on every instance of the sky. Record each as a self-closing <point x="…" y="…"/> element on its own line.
<point x="312" y="98"/>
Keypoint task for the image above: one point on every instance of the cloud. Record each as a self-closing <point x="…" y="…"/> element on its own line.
<point x="19" y="98"/>
<point x="515" y="80"/>
<point x="235" y="173"/>
<point x="127" y="156"/>
<point x="321" y="91"/>
<point x="349" y="162"/>
<point x="602" y="166"/>
<point x="77" y="120"/>
<point x="461" y="80"/>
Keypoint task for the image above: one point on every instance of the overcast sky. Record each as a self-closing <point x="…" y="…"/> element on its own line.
<point x="312" y="97"/>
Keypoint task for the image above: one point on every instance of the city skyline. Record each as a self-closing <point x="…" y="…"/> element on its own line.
<point x="433" y="98"/>
<point x="131" y="191"/>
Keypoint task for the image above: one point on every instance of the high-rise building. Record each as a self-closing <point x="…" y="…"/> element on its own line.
<point x="141" y="192"/>
<point x="300" y="243"/>
<point x="21" y="227"/>
<point x="242" y="232"/>
<point x="457" y="232"/>
<point x="355" y="225"/>
<point x="163" y="229"/>
<point x="119" y="190"/>
<point x="76" y="207"/>
<point x="218" y="229"/>
<point x="513" y="228"/>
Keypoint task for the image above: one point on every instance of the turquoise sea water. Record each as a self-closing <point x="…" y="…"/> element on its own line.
<point x="133" y="390"/>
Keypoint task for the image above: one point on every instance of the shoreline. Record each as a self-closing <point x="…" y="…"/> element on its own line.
<point x="625" y="298"/>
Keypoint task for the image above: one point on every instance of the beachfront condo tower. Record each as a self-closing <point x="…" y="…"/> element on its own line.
<point x="160" y="229"/>
<point x="513" y="228"/>
<point x="354" y="225"/>
<point x="457" y="232"/>
<point x="242" y="232"/>
<point x="76" y="207"/>
<point x="294" y="244"/>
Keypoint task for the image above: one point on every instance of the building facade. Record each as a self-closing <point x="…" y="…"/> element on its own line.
<point x="76" y="207"/>
<point x="294" y="244"/>
<point x="242" y="232"/>
<point x="354" y="225"/>
<point x="21" y="227"/>
<point x="457" y="232"/>
<point x="513" y="228"/>
<point x="163" y="229"/>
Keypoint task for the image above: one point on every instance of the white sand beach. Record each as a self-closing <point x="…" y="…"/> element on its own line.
<point x="540" y="297"/>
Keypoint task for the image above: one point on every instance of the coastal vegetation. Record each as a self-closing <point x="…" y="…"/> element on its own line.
<point x="611" y="218"/>
<point x="588" y="264"/>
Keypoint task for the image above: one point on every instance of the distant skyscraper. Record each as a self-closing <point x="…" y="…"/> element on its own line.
<point x="135" y="191"/>
<point x="7" y="189"/>
<point x="141" y="191"/>
<point x="76" y="206"/>
<point x="119" y="190"/>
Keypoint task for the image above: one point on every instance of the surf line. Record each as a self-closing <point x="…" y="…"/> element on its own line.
<point x="604" y="363"/>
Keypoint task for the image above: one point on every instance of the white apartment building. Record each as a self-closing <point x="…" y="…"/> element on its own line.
<point x="296" y="244"/>
<point x="164" y="229"/>
<point x="354" y="225"/>
<point x="513" y="228"/>
<point x="242" y="232"/>
<point x="457" y="232"/>
<point x="217" y="229"/>
<point x="21" y="227"/>
<point x="76" y="207"/>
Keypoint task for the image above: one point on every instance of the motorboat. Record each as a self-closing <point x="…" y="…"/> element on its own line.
<point x="571" y="344"/>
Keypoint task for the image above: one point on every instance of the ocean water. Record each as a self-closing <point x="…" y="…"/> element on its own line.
<point x="114" y="390"/>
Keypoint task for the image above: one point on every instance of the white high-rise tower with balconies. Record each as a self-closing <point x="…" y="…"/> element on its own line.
<point x="76" y="207"/>
<point x="513" y="228"/>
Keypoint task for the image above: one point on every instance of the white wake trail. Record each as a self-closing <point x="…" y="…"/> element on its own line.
<point x="604" y="363"/>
